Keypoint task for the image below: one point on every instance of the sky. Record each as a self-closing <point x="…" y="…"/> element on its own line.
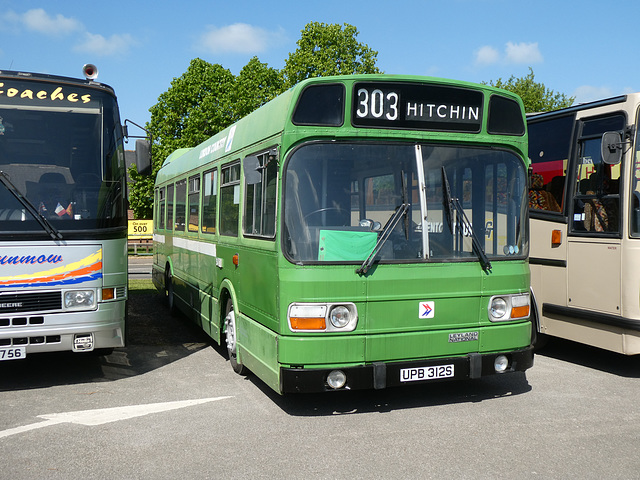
<point x="582" y="49"/>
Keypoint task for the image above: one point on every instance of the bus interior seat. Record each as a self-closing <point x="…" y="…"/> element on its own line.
<point x="601" y="214"/>
<point x="539" y="198"/>
<point x="596" y="218"/>
<point x="50" y="189"/>
<point x="556" y="188"/>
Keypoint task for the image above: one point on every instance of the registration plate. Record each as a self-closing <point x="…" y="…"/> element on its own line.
<point x="13" y="353"/>
<point x="426" y="373"/>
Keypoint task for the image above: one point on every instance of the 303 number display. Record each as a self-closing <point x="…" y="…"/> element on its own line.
<point x="378" y="103"/>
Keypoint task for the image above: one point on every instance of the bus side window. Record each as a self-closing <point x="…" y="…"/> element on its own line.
<point x="260" y="199"/>
<point x="170" y="194"/>
<point x="181" y="205"/>
<point x="596" y="203"/>
<point x="209" y="201"/>
<point x="229" y="199"/>
<point x="194" y="203"/>
<point x="161" y="208"/>
<point x="635" y="189"/>
<point x="549" y="145"/>
<point x="597" y="193"/>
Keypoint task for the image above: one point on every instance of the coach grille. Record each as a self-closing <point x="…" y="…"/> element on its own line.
<point x="39" y="340"/>
<point x="30" y="302"/>
<point x="21" y="321"/>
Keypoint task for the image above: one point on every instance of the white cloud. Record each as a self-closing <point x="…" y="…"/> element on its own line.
<point x="589" y="93"/>
<point x="238" y="38"/>
<point x="37" y="20"/>
<point x="514" y="53"/>
<point x="524" y="53"/>
<point x="57" y="25"/>
<point x="487" y="55"/>
<point x="95" y="44"/>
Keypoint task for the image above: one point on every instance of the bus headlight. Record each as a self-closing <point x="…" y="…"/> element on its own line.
<point x="79" y="299"/>
<point x="497" y="308"/>
<point x="322" y="317"/>
<point x="340" y="316"/>
<point x="509" y="307"/>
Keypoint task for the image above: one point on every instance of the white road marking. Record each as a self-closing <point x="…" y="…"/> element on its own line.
<point x="106" y="415"/>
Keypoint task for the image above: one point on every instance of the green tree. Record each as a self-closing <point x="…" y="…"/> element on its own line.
<point x="255" y="85"/>
<point x="535" y="96"/>
<point x="196" y="106"/>
<point x="325" y="50"/>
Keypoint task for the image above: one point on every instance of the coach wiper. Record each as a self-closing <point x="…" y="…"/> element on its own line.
<point x="26" y="203"/>
<point x="450" y="203"/>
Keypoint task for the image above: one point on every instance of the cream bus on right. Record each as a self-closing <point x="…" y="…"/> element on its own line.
<point x="584" y="204"/>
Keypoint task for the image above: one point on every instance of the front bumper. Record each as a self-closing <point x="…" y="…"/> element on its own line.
<point x="387" y="374"/>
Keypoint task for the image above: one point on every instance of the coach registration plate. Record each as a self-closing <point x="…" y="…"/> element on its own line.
<point x="13" y="353"/>
<point x="426" y="373"/>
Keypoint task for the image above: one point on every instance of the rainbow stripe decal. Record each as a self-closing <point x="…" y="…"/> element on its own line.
<point x="84" y="270"/>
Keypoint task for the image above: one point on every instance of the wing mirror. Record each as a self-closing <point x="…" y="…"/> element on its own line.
<point x="611" y="148"/>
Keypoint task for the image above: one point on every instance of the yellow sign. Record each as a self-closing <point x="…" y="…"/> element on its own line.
<point x="140" y="229"/>
<point x="57" y="94"/>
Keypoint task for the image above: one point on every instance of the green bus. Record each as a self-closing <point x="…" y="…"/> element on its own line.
<point x="356" y="232"/>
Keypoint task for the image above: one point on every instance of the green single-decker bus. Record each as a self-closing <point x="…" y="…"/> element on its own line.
<point x="356" y="232"/>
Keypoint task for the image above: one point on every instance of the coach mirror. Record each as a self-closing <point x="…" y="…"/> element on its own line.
<point x="252" y="170"/>
<point x="143" y="147"/>
<point x="143" y="157"/>
<point x="611" y="148"/>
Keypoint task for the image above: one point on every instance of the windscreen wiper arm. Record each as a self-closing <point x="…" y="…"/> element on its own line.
<point x="384" y="236"/>
<point x="452" y="203"/>
<point x="26" y="203"/>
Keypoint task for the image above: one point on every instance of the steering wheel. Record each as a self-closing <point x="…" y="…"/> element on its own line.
<point x="320" y="210"/>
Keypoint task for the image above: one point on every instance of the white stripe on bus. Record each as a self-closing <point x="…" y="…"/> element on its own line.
<point x="195" y="246"/>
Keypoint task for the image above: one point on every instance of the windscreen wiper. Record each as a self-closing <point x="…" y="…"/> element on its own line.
<point x="26" y="203"/>
<point x="400" y="212"/>
<point x="384" y="236"/>
<point x="452" y="203"/>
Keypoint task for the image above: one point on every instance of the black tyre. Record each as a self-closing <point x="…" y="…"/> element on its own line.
<point x="168" y="292"/>
<point x="231" y="339"/>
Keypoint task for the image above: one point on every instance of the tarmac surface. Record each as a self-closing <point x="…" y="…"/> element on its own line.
<point x="168" y="405"/>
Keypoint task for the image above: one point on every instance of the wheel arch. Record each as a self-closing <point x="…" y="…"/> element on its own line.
<point x="168" y="266"/>
<point x="227" y="291"/>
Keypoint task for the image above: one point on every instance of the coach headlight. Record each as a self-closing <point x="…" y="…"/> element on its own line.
<point x="79" y="300"/>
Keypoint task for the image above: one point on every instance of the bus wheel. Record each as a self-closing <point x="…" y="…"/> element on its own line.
<point x="230" y="334"/>
<point x="168" y="291"/>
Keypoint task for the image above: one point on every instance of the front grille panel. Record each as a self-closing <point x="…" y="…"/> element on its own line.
<point x="21" y="341"/>
<point x="21" y="321"/>
<point x="30" y="302"/>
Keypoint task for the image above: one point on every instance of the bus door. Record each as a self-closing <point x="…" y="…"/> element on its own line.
<point x="594" y="243"/>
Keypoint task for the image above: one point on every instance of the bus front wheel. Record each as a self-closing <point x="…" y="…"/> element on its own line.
<point x="231" y="339"/>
